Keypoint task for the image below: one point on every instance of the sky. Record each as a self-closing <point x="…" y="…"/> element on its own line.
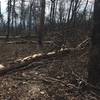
<point x="4" y="6"/>
<point x="4" y="3"/>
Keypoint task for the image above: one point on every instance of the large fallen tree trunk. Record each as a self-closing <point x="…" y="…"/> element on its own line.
<point x="22" y="63"/>
<point x="24" y="42"/>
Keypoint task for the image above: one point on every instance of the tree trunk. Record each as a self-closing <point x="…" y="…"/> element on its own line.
<point x="69" y="11"/>
<point x="32" y="61"/>
<point x="8" y="20"/>
<point x="30" y="18"/>
<point x="94" y="57"/>
<point x="41" y="26"/>
<point x="13" y="15"/>
<point x="22" y="18"/>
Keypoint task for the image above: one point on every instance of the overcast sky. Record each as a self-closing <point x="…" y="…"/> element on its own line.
<point x="4" y="6"/>
<point x="4" y="3"/>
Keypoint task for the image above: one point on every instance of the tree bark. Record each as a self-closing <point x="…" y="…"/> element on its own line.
<point x="24" y="63"/>
<point x="41" y="25"/>
<point x="8" y="20"/>
<point x="94" y="57"/>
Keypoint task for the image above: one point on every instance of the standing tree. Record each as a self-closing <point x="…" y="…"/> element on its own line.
<point x="41" y="25"/>
<point x="61" y="11"/>
<point x="13" y="13"/>
<point x="1" y="19"/>
<point x="22" y="15"/>
<point x="30" y="17"/>
<point x="53" y="10"/>
<point x="94" y="61"/>
<point x="8" y="20"/>
<point x="69" y="11"/>
<point x="75" y="6"/>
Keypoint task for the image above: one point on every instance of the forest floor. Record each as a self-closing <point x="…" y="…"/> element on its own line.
<point x="52" y="80"/>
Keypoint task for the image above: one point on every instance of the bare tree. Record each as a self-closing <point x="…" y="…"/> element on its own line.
<point x="30" y="16"/>
<point x="22" y="15"/>
<point x="8" y="20"/>
<point x="52" y="18"/>
<point x="75" y="6"/>
<point x="41" y="24"/>
<point x="52" y="12"/>
<point x="1" y="19"/>
<point x="61" y="11"/>
<point x="69" y="11"/>
<point x="84" y="11"/>
<point x="13" y="13"/>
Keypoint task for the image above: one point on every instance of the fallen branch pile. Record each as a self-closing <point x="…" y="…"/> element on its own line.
<point x="22" y="63"/>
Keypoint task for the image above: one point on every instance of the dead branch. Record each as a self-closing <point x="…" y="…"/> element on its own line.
<point x="84" y="44"/>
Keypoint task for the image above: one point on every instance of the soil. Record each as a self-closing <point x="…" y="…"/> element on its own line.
<point x="53" y="80"/>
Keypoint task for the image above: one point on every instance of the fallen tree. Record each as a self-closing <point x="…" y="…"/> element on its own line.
<point x="23" y="63"/>
<point x="24" y="42"/>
